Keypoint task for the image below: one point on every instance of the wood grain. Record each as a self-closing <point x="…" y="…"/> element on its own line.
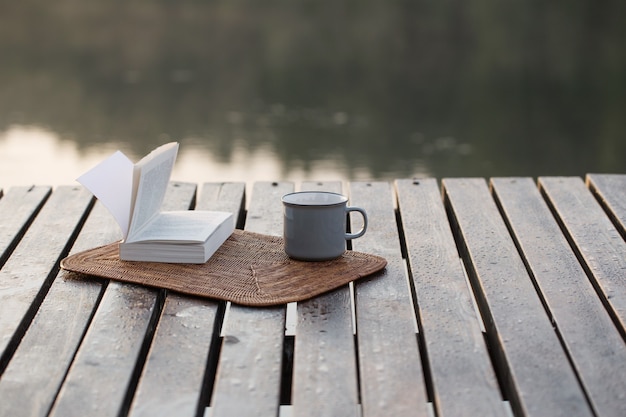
<point x="594" y="238"/>
<point x="26" y="276"/>
<point x="391" y="374"/>
<point x="610" y="190"/>
<point x="592" y="341"/>
<point x="18" y="207"/>
<point x="464" y="383"/>
<point x="325" y="371"/>
<point x="174" y="373"/>
<point x="248" y="378"/>
<point x="535" y="370"/>
<point x="546" y="264"/>
<point x="40" y="363"/>
<point x="100" y="380"/>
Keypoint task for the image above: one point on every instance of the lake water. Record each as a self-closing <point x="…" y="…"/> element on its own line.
<point x="306" y="89"/>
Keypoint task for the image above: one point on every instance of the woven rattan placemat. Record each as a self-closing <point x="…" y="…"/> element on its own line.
<point x="249" y="268"/>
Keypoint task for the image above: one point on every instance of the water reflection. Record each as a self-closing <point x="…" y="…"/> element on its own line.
<point x="356" y="89"/>
<point x="32" y="155"/>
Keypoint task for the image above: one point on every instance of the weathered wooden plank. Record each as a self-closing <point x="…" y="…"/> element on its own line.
<point x="463" y="381"/>
<point x="391" y="374"/>
<point x="102" y="374"/>
<point x="595" y="240"/>
<point x="325" y="371"/>
<point x="610" y="190"/>
<point x="224" y="197"/>
<point x="593" y="343"/>
<point x="27" y="274"/>
<point x="38" y="367"/>
<point x="18" y="207"/>
<point x="535" y="371"/>
<point x="172" y="379"/>
<point x="248" y="375"/>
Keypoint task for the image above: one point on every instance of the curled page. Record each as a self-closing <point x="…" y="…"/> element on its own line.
<point x="151" y="176"/>
<point x="111" y="181"/>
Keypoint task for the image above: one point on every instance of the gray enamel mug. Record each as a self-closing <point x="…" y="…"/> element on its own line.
<point x="315" y="225"/>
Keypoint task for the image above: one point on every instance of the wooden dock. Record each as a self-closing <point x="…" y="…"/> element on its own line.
<point x="501" y="297"/>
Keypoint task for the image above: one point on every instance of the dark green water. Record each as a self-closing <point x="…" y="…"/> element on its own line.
<point x="385" y="88"/>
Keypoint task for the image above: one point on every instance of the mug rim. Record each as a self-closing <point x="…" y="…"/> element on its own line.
<point x="342" y="199"/>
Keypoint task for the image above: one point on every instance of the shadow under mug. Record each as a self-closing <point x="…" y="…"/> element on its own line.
<point x="314" y="226"/>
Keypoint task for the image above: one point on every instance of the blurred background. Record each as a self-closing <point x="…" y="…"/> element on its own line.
<point x="309" y="89"/>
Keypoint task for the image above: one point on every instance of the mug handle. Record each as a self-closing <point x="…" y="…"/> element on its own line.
<point x="362" y="231"/>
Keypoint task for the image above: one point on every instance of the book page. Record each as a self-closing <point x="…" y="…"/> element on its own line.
<point x="111" y="182"/>
<point x="151" y="176"/>
<point x="188" y="226"/>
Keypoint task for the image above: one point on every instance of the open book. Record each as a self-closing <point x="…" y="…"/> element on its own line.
<point x="133" y="193"/>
